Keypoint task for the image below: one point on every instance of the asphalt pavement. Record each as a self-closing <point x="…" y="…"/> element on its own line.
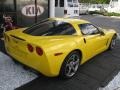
<point x="104" y="22"/>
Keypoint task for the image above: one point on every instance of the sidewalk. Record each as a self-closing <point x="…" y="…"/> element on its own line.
<point x="11" y="74"/>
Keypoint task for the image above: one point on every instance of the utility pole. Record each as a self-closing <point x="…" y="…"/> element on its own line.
<point x="52" y="8"/>
<point x="35" y="11"/>
<point x="15" y="8"/>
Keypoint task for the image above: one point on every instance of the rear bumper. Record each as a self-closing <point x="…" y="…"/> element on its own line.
<point x="48" y="64"/>
<point x="41" y="65"/>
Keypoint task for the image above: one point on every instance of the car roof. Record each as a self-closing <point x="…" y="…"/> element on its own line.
<point x="71" y="20"/>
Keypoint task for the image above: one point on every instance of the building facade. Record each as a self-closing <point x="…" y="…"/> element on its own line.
<point x="114" y="6"/>
<point x="24" y="12"/>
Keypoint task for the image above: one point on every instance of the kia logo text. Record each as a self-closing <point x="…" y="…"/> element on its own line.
<point x="30" y="10"/>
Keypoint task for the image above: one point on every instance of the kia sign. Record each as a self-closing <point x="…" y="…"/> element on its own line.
<point x="26" y="11"/>
<point x="29" y="10"/>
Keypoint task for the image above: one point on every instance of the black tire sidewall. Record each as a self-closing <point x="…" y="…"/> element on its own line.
<point x="113" y="38"/>
<point x="63" y="67"/>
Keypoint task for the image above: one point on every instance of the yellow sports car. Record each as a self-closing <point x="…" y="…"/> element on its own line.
<point x="57" y="46"/>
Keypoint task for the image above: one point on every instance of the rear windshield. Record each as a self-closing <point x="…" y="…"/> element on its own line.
<point x="50" y="28"/>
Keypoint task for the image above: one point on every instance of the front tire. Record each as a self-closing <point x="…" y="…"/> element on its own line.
<point x="113" y="42"/>
<point x="70" y="65"/>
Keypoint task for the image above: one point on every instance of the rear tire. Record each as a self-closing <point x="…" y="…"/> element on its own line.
<point x="70" y="65"/>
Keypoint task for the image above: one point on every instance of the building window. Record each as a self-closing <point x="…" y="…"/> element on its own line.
<point x="61" y="3"/>
<point x="56" y="3"/>
<point x="75" y="1"/>
<point x="7" y="6"/>
<point x="75" y="11"/>
<point x="70" y="1"/>
<point x="115" y="0"/>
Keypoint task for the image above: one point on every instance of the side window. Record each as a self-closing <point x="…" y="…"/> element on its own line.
<point x="88" y="29"/>
<point x="93" y="29"/>
<point x="83" y="28"/>
<point x="70" y="3"/>
<point x="65" y="29"/>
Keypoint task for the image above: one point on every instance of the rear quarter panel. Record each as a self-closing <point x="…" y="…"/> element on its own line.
<point x="66" y="47"/>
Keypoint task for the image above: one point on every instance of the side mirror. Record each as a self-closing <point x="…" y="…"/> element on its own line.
<point x="102" y="33"/>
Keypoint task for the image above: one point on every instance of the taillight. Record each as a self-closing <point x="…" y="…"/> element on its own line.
<point x="65" y="11"/>
<point x="30" y="48"/>
<point x="39" y="51"/>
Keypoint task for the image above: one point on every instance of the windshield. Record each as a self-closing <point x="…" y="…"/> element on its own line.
<point x="50" y="28"/>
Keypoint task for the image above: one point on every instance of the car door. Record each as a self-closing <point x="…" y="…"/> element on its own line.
<point x="95" y="42"/>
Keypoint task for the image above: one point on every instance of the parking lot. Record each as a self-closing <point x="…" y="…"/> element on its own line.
<point x="93" y="75"/>
<point x="103" y="21"/>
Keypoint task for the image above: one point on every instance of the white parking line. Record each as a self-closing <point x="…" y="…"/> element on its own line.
<point x="12" y="75"/>
<point x="114" y="84"/>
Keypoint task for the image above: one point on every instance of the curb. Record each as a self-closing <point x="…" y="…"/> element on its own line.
<point x="115" y="17"/>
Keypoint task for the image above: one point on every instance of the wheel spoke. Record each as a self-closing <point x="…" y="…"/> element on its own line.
<point x="74" y="69"/>
<point x="69" y="69"/>
<point x="72" y="65"/>
<point x="76" y="62"/>
<point x="72" y="57"/>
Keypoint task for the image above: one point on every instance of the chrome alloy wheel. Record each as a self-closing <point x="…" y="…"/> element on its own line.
<point x="72" y="65"/>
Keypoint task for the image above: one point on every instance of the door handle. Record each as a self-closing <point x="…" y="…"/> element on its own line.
<point x="84" y="40"/>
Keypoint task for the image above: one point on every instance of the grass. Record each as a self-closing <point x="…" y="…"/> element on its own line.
<point x="112" y="14"/>
<point x="104" y="13"/>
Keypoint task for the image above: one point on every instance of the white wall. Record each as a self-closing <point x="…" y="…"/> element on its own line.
<point x="52" y="8"/>
<point x="114" y="6"/>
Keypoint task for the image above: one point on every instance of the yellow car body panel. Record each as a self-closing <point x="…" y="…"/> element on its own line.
<point x="49" y="64"/>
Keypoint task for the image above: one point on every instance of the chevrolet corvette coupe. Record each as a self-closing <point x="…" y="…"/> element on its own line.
<point x="58" y="46"/>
